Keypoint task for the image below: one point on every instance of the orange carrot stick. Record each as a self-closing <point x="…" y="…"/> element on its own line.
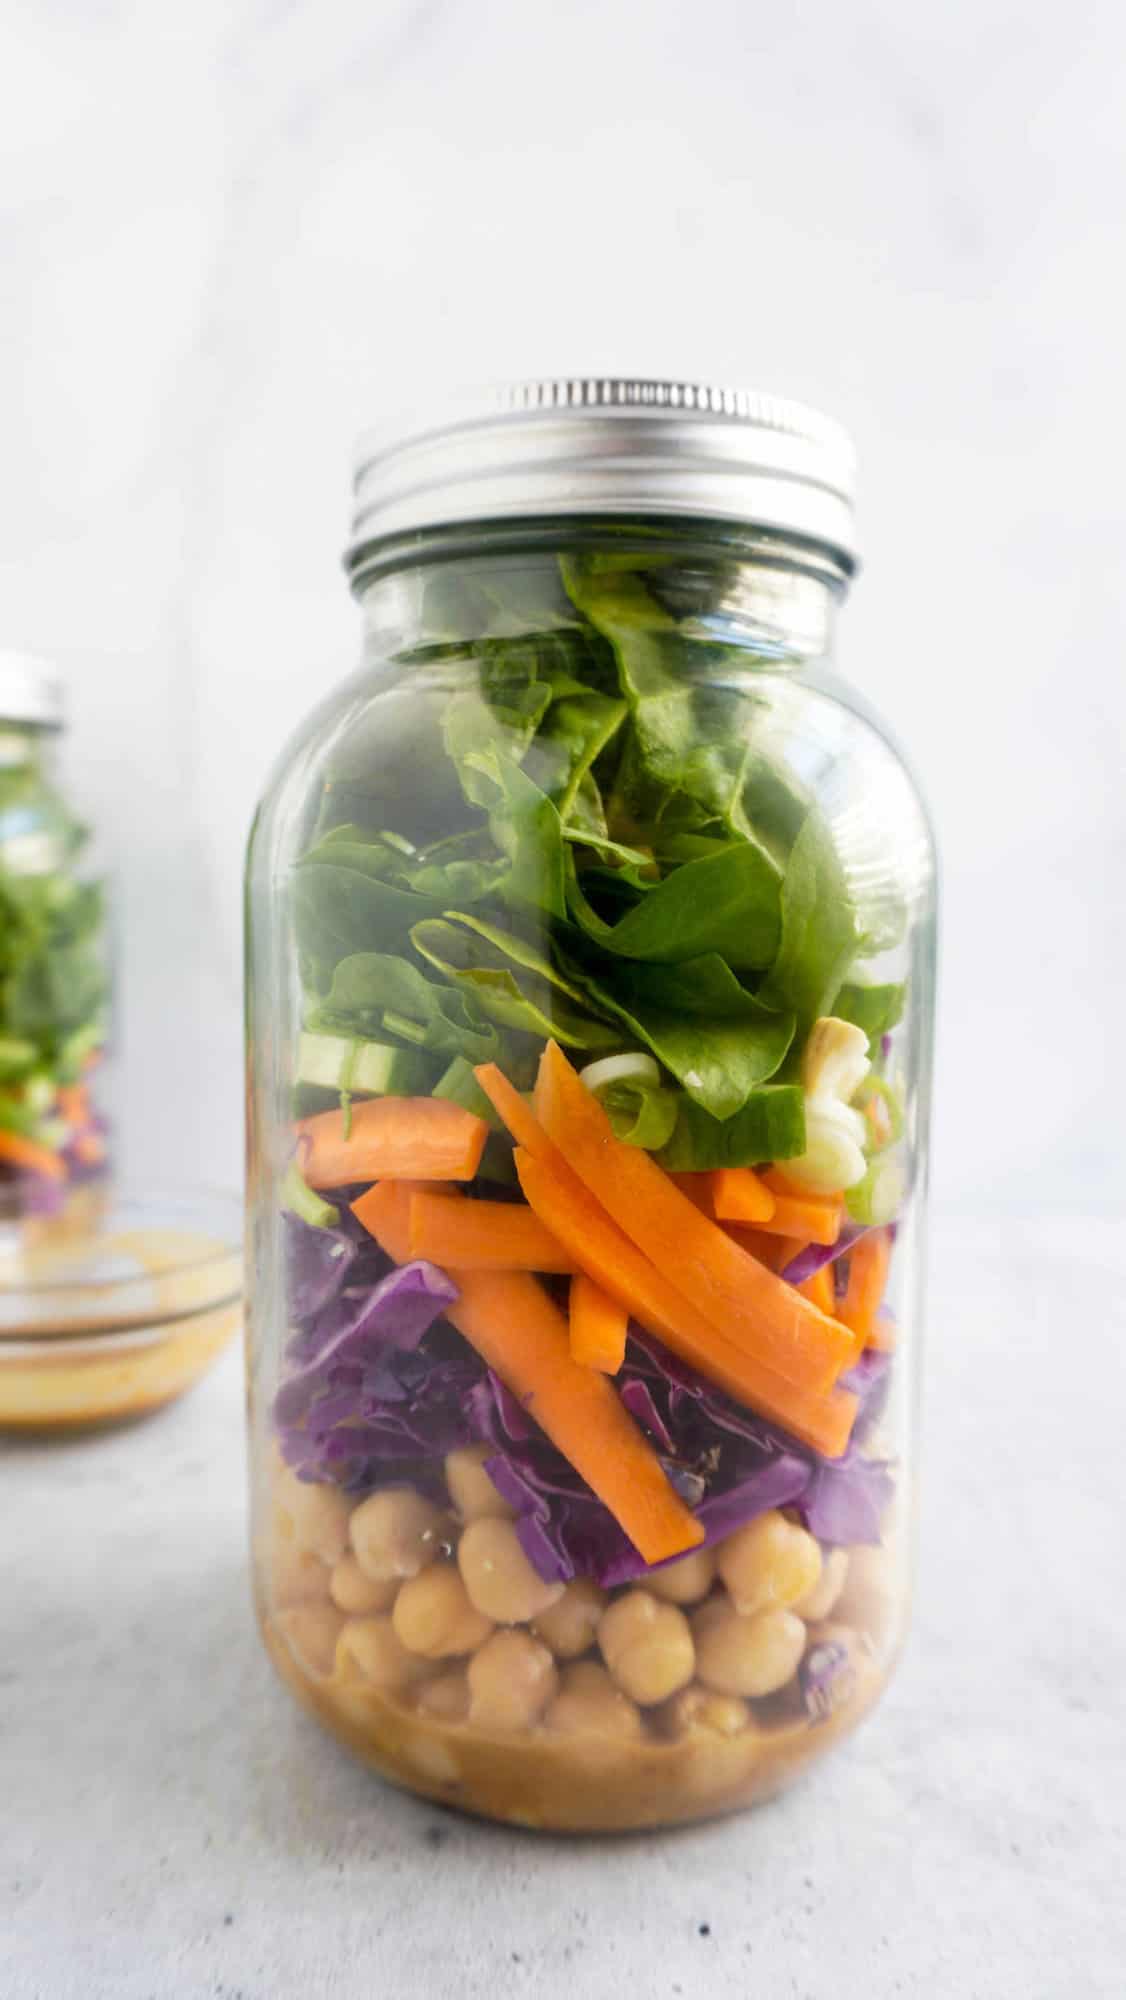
<point x="773" y="1251"/>
<point x="884" y="1336"/>
<point x="517" y="1113"/>
<point x="797" y="1212"/>
<point x="598" y="1326"/>
<point x="821" y="1289"/>
<point x="22" y="1152"/>
<point x="599" y="1247"/>
<point x="482" y="1236"/>
<point x="868" y="1262"/>
<point x="751" y="1308"/>
<point x="738" y="1195"/>
<point x="616" y="1264"/>
<point x="74" y="1103"/>
<point x="509" y="1319"/>
<point x="698" y="1188"/>
<point x="392" y="1138"/>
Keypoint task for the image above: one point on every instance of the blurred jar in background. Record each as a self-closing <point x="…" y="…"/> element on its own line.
<point x="54" y="975"/>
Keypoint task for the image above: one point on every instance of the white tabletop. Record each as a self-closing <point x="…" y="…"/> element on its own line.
<point x="170" y="1825"/>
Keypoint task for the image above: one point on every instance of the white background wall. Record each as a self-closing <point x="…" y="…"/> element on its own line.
<point x="236" y="231"/>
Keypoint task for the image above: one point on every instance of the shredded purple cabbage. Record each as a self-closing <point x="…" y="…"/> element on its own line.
<point x="815" y="1256"/>
<point x="378" y="1388"/>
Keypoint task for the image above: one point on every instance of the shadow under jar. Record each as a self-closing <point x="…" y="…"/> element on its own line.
<point x="591" y="964"/>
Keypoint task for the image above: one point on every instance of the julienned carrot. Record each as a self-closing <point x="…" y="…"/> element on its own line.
<point x="738" y="1195"/>
<point x="749" y="1307"/>
<point x="797" y="1212"/>
<point x="821" y="1289"/>
<point x="509" y="1319"/>
<point x="884" y="1336"/>
<point x="598" y="1325"/>
<point x="74" y="1103"/>
<point x="385" y="1212"/>
<point x="482" y="1236"/>
<point x="392" y="1138"/>
<point x="868" y="1262"/>
<point x="517" y="1113"/>
<point x="773" y="1251"/>
<point x="27" y="1153"/>
<point x="698" y="1188"/>
<point x="616" y="1264"/>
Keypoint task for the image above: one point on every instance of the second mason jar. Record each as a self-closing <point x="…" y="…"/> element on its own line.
<point x="590" y="960"/>
<point x="54" y="980"/>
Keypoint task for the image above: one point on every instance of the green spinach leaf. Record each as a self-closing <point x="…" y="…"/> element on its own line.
<point x="375" y="993"/>
<point x="876" y="1009"/>
<point x="718" y="1041"/>
<point x="511" y="982"/>
<point x="820" y="937"/>
<point x="726" y="902"/>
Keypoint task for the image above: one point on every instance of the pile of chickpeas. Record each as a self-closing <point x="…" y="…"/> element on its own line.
<point x="440" y="1610"/>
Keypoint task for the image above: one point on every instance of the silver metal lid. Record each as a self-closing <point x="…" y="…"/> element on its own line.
<point x="30" y="692"/>
<point x="603" y="446"/>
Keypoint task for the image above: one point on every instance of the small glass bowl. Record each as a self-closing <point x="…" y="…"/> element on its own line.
<point x="115" y="1306"/>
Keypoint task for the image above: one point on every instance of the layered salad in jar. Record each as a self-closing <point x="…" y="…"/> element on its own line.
<point x="582" y="1507"/>
<point x="54" y="1002"/>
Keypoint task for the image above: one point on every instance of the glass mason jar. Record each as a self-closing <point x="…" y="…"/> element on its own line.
<point x="591" y="964"/>
<point x="54" y="977"/>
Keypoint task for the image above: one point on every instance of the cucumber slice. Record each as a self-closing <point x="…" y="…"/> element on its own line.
<point x="372" y="1069"/>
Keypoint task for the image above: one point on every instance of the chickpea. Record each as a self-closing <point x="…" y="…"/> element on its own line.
<point x="311" y="1631"/>
<point x="358" y="1594"/>
<point x="471" y="1491"/>
<point x="698" y="1710"/>
<point x="297" y="1576"/>
<point x="369" y="1649"/>
<point x="832" y="1668"/>
<point x="769" y="1561"/>
<point x="396" y="1533"/>
<point x="647" y="1646"/>
<point x="318" y="1515"/>
<point x="498" y="1576"/>
<point x="737" y="1654"/>
<point x="445" y="1698"/>
<point x="569" y="1625"/>
<point x="433" y="1615"/>
<point x="588" y="1703"/>
<point x="686" y="1580"/>
<point x="511" y="1681"/>
<point x="818" y="1602"/>
<point x="868" y="1598"/>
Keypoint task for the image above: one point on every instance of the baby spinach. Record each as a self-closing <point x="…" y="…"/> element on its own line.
<point x="876" y="1009"/>
<point x="726" y="901"/>
<point x="715" y="1037"/>
<point x="511" y="982"/>
<point x="638" y="867"/>
<point x="341" y="910"/>
<point x="526" y="827"/>
<point x="820" y="938"/>
<point x="376" y="993"/>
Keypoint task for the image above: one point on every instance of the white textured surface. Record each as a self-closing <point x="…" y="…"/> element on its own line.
<point x="173" y="1829"/>
<point x="235" y="232"/>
